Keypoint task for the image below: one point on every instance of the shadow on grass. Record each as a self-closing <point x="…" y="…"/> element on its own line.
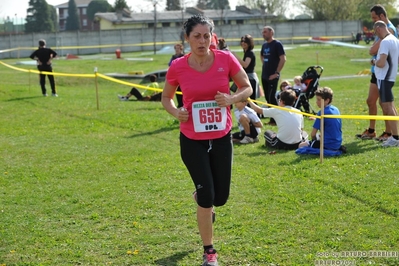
<point x="262" y="150"/>
<point x="350" y="194"/>
<point x="172" y="125"/>
<point x="24" y="98"/>
<point x="155" y="132"/>
<point x="173" y="259"/>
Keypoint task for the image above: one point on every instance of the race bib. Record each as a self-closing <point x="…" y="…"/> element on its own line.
<point x="208" y="116"/>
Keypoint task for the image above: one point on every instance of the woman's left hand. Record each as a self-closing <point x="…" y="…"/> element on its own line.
<point x="223" y="99"/>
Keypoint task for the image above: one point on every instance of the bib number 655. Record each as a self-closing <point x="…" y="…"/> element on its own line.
<point x="210" y="115"/>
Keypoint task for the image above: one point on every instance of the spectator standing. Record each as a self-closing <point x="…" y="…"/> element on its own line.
<point x="179" y="52"/>
<point x="214" y="38"/>
<point x="205" y="120"/>
<point x="43" y="57"/>
<point x="377" y="12"/>
<point x="386" y="68"/>
<point x="273" y="58"/>
<point x="248" y="62"/>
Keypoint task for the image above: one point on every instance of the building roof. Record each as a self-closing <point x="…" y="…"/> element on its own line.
<point x="178" y="15"/>
<point x="79" y="3"/>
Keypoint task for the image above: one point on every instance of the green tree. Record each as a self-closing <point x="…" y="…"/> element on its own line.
<point x="333" y="10"/>
<point x="345" y="9"/>
<point x="53" y="17"/>
<point x="173" y="5"/>
<point x="201" y="4"/>
<point x="39" y="17"/>
<point x="218" y="4"/>
<point x="214" y="4"/>
<point x="96" y="6"/>
<point x="365" y="6"/>
<point x="120" y="5"/>
<point x="72" y="21"/>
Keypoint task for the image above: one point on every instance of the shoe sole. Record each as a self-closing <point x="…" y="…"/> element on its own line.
<point x="364" y="137"/>
<point x="367" y="138"/>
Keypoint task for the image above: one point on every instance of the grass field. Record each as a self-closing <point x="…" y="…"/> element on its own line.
<point x="81" y="186"/>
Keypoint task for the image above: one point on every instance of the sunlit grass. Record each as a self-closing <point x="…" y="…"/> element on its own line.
<point x="81" y="186"/>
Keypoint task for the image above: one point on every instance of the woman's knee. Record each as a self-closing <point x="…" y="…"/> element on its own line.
<point x="220" y="201"/>
<point x="204" y="201"/>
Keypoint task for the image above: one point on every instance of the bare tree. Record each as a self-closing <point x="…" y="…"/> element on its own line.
<point x="276" y="7"/>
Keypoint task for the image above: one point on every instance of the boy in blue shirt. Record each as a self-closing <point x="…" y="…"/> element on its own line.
<point x="332" y="126"/>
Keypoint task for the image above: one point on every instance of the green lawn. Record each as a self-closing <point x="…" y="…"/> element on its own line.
<point x="81" y="186"/>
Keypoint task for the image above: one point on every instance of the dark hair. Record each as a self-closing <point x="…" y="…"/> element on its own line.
<point x="285" y="83"/>
<point x="248" y="40"/>
<point x="42" y="43"/>
<point x="378" y="10"/>
<point x="153" y="78"/>
<point x="325" y="93"/>
<point x="222" y="44"/>
<point x="288" y="97"/>
<point x="196" y="20"/>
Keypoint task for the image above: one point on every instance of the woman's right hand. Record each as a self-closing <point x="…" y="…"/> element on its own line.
<point x="182" y="114"/>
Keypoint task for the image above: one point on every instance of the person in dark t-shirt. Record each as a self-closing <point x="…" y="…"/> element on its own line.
<point x="44" y="56"/>
<point x="273" y="58"/>
<point x="248" y="62"/>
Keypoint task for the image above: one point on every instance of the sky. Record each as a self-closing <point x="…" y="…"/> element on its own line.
<point x="17" y="8"/>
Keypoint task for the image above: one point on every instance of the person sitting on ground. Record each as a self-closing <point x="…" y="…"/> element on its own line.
<point x="298" y="85"/>
<point x="248" y="122"/>
<point x="284" y="85"/>
<point x="146" y="95"/>
<point x="332" y="126"/>
<point x="290" y="124"/>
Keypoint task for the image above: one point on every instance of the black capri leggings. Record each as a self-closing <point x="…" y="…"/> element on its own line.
<point x="209" y="163"/>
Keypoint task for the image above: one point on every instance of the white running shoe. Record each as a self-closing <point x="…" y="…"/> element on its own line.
<point x="247" y="140"/>
<point x="390" y="142"/>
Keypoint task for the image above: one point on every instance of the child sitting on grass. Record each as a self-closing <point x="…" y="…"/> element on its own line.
<point x="332" y="126"/>
<point x="290" y="124"/>
<point x="249" y="124"/>
<point x="146" y="95"/>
